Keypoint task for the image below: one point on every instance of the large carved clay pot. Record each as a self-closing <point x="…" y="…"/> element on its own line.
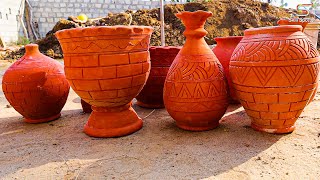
<point x="223" y="51"/>
<point x="107" y="67"/>
<point x="195" y="93"/>
<point x="35" y="86"/>
<point x="151" y="95"/>
<point x="282" y="22"/>
<point x="274" y="71"/>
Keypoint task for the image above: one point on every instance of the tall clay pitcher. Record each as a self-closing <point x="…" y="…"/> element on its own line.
<point x="195" y="93"/>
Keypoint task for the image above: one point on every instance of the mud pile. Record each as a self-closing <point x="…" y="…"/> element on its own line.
<point x="230" y="18"/>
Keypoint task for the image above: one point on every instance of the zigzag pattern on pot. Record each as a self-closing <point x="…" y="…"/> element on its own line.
<point x="280" y="50"/>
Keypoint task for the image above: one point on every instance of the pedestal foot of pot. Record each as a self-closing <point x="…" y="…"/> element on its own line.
<point x="284" y="130"/>
<point x="198" y="127"/>
<point x="43" y="120"/>
<point x="149" y="106"/>
<point x="112" y="122"/>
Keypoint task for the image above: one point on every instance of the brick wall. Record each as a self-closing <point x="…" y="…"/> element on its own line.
<point x="9" y="24"/>
<point x="48" y="12"/>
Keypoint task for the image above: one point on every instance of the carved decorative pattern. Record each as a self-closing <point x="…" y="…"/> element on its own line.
<point x="275" y="77"/>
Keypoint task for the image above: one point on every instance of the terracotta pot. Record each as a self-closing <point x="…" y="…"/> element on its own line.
<point x="151" y="95"/>
<point x="282" y="22"/>
<point x="195" y="93"/>
<point x="274" y="71"/>
<point x="35" y="86"/>
<point x="107" y="67"/>
<point x="86" y="107"/>
<point x="223" y="51"/>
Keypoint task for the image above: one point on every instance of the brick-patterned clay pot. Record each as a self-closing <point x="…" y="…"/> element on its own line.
<point x="223" y="51"/>
<point x="274" y="71"/>
<point x="107" y="67"/>
<point x="86" y="107"/>
<point x="36" y="86"/>
<point x="195" y="91"/>
<point x="151" y="95"/>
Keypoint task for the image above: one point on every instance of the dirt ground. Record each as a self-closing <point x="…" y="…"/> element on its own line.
<point x="60" y="150"/>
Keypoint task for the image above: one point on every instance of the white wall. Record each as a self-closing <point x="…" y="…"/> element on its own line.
<point x="9" y="24"/>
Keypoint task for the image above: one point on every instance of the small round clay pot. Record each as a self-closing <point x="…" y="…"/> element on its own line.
<point x="151" y="95"/>
<point x="35" y="86"/>
<point x="223" y="51"/>
<point x="274" y="71"/>
<point x="108" y="67"/>
<point x="195" y="91"/>
<point x="86" y="107"/>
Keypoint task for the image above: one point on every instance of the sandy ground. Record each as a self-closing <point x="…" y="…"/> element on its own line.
<point x="60" y="150"/>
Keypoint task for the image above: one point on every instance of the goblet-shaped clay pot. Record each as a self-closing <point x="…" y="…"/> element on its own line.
<point x="151" y="95"/>
<point x="107" y="67"/>
<point x="274" y="71"/>
<point x="195" y="90"/>
<point x="35" y="86"/>
<point x="223" y="51"/>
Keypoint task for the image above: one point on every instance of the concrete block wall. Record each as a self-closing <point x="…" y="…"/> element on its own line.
<point x="47" y="12"/>
<point x="9" y="23"/>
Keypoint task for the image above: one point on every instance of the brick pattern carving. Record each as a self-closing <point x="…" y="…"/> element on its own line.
<point x="274" y="77"/>
<point x="151" y="95"/>
<point x="107" y="67"/>
<point x="36" y="88"/>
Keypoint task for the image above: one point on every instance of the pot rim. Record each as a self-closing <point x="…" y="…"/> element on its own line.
<point x="228" y="37"/>
<point x="103" y="30"/>
<point x="273" y="29"/>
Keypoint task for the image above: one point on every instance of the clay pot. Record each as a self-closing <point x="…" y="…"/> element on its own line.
<point x="195" y="93"/>
<point x="107" y="67"/>
<point x="35" y="86"/>
<point x="282" y="22"/>
<point x="86" y="107"/>
<point x="151" y="95"/>
<point x="274" y="71"/>
<point x="223" y="51"/>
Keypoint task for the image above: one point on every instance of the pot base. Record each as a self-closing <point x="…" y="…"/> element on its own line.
<point x="43" y="120"/>
<point x="285" y="130"/>
<point x="112" y="122"/>
<point x="149" y="106"/>
<point x="198" y="127"/>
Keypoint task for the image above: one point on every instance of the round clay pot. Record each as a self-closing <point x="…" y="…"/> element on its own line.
<point x="195" y="90"/>
<point x="151" y="95"/>
<point x="107" y="67"/>
<point x="274" y="71"/>
<point x="35" y="86"/>
<point x="86" y="107"/>
<point x="282" y="22"/>
<point x="223" y="51"/>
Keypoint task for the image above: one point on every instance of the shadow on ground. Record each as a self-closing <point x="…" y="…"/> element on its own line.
<point x="160" y="150"/>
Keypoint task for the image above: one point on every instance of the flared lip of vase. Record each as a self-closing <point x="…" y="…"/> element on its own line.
<point x="104" y="30"/>
<point x="228" y="38"/>
<point x="273" y="29"/>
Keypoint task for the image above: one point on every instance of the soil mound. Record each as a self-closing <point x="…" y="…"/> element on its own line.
<point x="230" y="18"/>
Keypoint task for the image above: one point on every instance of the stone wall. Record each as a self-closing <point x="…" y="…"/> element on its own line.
<point x="9" y="23"/>
<point x="47" y="12"/>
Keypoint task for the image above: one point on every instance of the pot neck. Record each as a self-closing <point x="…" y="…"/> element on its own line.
<point x="32" y="50"/>
<point x="194" y="23"/>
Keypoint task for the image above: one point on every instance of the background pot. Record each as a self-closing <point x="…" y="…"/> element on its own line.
<point x="274" y="71"/>
<point x="35" y="86"/>
<point x="107" y="67"/>
<point x="151" y="95"/>
<point x="223" y="51"/>
<point x="195" y="93"/>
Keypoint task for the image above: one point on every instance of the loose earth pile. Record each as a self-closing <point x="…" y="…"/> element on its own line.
<point x="230" y="18"/>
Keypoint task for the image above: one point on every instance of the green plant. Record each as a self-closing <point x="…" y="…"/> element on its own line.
<point x="23" y="40"/>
